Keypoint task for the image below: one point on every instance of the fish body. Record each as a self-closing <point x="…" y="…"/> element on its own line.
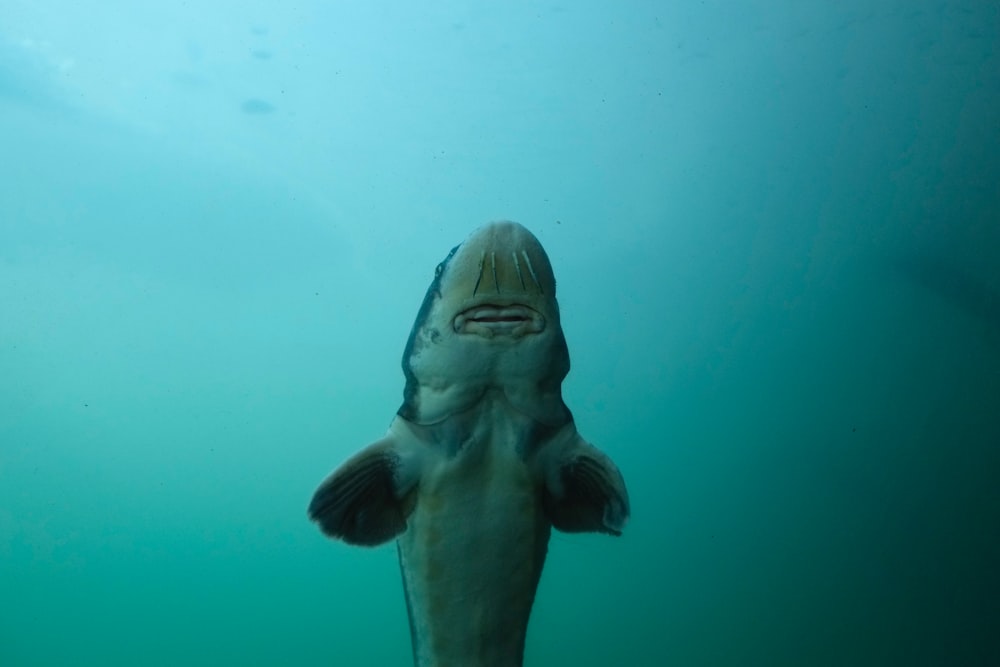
<point x="482" y="459"/>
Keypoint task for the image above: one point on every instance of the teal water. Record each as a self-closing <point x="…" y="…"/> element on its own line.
<point x="776" y="230"/>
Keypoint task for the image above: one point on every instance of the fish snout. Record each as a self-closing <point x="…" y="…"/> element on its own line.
<point x="507" y="272"/>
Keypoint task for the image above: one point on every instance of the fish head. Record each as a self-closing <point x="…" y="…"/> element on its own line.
<point x="489" y="320"/>
<point x="499" y="283"/>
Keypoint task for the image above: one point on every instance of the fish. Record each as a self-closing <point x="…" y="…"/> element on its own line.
<point x="481" y="460"/>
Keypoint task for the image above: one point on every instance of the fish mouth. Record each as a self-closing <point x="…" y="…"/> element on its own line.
<point x="489" y="320"/>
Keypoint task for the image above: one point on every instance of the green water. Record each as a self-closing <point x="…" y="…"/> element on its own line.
<point x="775" y="230"/>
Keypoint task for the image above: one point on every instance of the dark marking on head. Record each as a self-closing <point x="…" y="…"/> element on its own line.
<point x="408" y="410"/>
<point x="493" y="263"/>
<point x="517" y="267"/>
<point x="482" y="261"/>
<point x="531" y="269"/>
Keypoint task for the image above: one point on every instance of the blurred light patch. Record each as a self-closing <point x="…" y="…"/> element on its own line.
<point x="257" y="107"/>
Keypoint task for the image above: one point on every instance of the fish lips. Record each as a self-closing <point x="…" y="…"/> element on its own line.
<point x="492" y="320"/>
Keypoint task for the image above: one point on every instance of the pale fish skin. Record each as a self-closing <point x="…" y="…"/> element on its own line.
<point x="482" y="459"/>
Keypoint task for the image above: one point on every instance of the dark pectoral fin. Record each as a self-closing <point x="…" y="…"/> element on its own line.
<point x="363" y="501"/>
<point x="586" y="493"/>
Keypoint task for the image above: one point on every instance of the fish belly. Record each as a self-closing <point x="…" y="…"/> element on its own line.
<point x="471" y="558"/>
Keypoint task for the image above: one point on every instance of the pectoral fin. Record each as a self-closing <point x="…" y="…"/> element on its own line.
<point x="584" y="492"/>
<point x="364" y="501"/>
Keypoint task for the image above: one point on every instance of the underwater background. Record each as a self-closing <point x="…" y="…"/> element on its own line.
<point x="776" y="231"/>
